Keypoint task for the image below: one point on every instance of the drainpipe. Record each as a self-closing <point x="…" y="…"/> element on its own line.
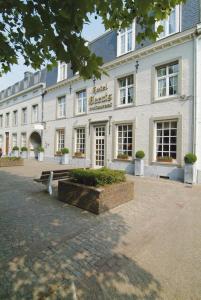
<point x="194" y="93"/>
<point x="42" y="114"/>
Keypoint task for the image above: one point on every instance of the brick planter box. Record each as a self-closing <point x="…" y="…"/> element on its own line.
<point x="95" y="200"/>
<point x="11" y="162"/>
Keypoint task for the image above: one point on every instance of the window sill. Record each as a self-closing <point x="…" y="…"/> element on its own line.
<point x="125" y="106"/>
<point x="121" y="54"/>
<point x="165" y="99"/>
<point x="80" y="157"/>
<point x="168" y="35"/>
<point x="80" y="114"/>
<point x="61" y="118"/>
<point x="168" y="164"/>
<point x="123" y="160"/>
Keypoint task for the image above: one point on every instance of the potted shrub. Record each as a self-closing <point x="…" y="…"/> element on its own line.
<point x="15" y="151"/>
<point x="190" y="168"/>
<point x="65" y="159"/>
<point x="40" y="153"/>
<point x="24" y="152"/>
<point x="139" y="163"/>
<point x="123" y="156"/>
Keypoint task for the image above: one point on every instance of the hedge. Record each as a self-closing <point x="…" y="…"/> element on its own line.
<point x="98" y="177"/>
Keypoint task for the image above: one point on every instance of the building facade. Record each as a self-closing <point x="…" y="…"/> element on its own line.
<point x="149" y="100"/>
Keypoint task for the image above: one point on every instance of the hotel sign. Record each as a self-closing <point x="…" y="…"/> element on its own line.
<point x="101" y="99"/>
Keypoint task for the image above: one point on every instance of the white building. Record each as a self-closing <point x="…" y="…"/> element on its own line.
<point x="150" y="101"/>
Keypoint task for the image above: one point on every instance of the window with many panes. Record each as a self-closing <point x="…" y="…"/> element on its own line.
<point x="14" y="140"/>
<point x="170" y="25"/>
<point x="62" y="71"/>
<point x="166" y="139"/>
<point x="15" y="117"/>
<point x="81" y="102"/>
<point x="61" y="107"/>
<point x="23" y="140"/>
<point x="126" y="40"/>
<point x="80" y="140"/>
<point x="24" y="115"/>
<point x="1" y="121"/>
<point x="35" y="113"/>
<point x="126" y="90"/>
<point x="7" y="119"/>
<point x="125" y="139"/>
<point x="167" y="80"/>
<point x="60" y="139"/>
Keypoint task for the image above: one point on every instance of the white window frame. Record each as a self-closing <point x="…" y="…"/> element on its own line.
<point x="62" y="71"/>
<point x="118" y="137"/>
<point x="7" y="121"/>
<point x="125" y="32"/>
<point x="1" y="121"/>
<point x="35" y="113"/>
<point x="14" y="140"/>
<point x="24" y="115"/>
<point x="80" y="140"/>
<point x="61" y="107"/>
<point x="15" y="118"/>
<point x="23" y="139"/>
<point x="163" y="136"/>
<point x="126" y="88"/>
<point x="165" y="23"/>
<point x="36" y="77"/>
<point x="167" y="77"/>
<point x="81" y="98"/>
<point x="60" y="139"/>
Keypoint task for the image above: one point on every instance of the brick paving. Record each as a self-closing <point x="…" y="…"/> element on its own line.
<point x="149" y="248"/>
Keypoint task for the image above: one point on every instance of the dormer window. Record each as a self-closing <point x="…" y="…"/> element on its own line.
<point x="16" y="87"/>
<point x="126" y="40"/>
<point x="36" y="77"/>
<point x="62" y="71"/>
<point x="170" y="25"/>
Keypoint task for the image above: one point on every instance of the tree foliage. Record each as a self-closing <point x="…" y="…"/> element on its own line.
<point x="45" y="31"/>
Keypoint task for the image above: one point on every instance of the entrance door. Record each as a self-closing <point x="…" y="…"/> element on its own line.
<point x="7" y="143"/>
<point x="99" y="146"/>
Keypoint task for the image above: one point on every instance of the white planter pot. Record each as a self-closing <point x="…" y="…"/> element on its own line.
<point x="24" y="154"/>
<point x="139" y="167"/>
<point x="15" y="153"/>
<point x="65" y="159"/>
<point x="190" y="173"/>
<point x="40" y="156"/>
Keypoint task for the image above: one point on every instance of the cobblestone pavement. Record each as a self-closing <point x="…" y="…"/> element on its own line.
<point x="149" y="248"/>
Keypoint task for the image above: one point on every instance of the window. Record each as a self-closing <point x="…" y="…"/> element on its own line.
<point x="15" y="115"/>
<point x="35" y="113"/>
<point x="14" y="140"/>
<point x="7" y="119"/>
<point x="36" y="77"/>
<point x="26" y="82"/>
<point x="24" y="115"/>
<point x="166" y="139"/>
<point x="61" y="107"/>
<point x="126" y="40"/>
<point x="126" y="90"/>
<point x="82" y="102"/>
<point x="167" y="80"/>
<point x="171" y="24"/>
<point x="23" y="140"/>
<point x="80" y="140"/>
<point x="62" y="71"/>
<point x="125" y="140"/>
<point x="60" y="139"/>
<point x="1" y="141"/>
<point x="16" y="87"/>
<point x="1" y="121"/>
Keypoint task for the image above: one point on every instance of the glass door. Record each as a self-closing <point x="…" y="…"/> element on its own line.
<point x="100" y="146"/>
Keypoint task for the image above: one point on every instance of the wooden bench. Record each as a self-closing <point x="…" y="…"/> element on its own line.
<point x="47" y="177"/>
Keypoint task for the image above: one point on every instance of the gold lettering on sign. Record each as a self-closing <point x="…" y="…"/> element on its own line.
<point x="102" y="101"/>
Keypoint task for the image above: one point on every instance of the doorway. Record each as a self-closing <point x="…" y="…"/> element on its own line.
<point x="99" y="146"/>
<point x="34" y="143"/>
<point x="7" y="143"/>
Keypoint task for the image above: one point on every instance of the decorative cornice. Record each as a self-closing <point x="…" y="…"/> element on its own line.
<point x="165" y="43"/>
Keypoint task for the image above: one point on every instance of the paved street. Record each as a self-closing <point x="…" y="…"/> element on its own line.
<point x="149" y="248"/>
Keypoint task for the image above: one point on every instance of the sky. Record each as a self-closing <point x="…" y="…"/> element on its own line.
<point x="90" y="32"/>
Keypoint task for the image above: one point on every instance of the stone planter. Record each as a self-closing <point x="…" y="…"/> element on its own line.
<point x="139" y="167"/>
<point x="24" y="154"/>
<point x="65" y="159"/>
<point x="190" y="173"/>
<point x="5" y="162"/>
<point x="40" y="156"/>
<point x="15" y="153"/>
<point x="95" y="200"/>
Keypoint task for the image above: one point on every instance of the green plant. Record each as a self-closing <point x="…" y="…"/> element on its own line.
<point x="15" y="148"/>
<point x="164" y="159"/>
<point x="11" y="158"/>
<point x="122" y="156"/>
<point x="58" y="153"/>
<point x="79" y="154"/>
<point x="41" y="149"/>
<point x="98" y="177"/>
<point x="65" y="151"/>
<point x="140" y="154"/>
<point x="24" y="149"/>
<point x="190" y="158"/>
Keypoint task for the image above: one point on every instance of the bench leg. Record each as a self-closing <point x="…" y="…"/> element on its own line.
<point x="49" y="183"/>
